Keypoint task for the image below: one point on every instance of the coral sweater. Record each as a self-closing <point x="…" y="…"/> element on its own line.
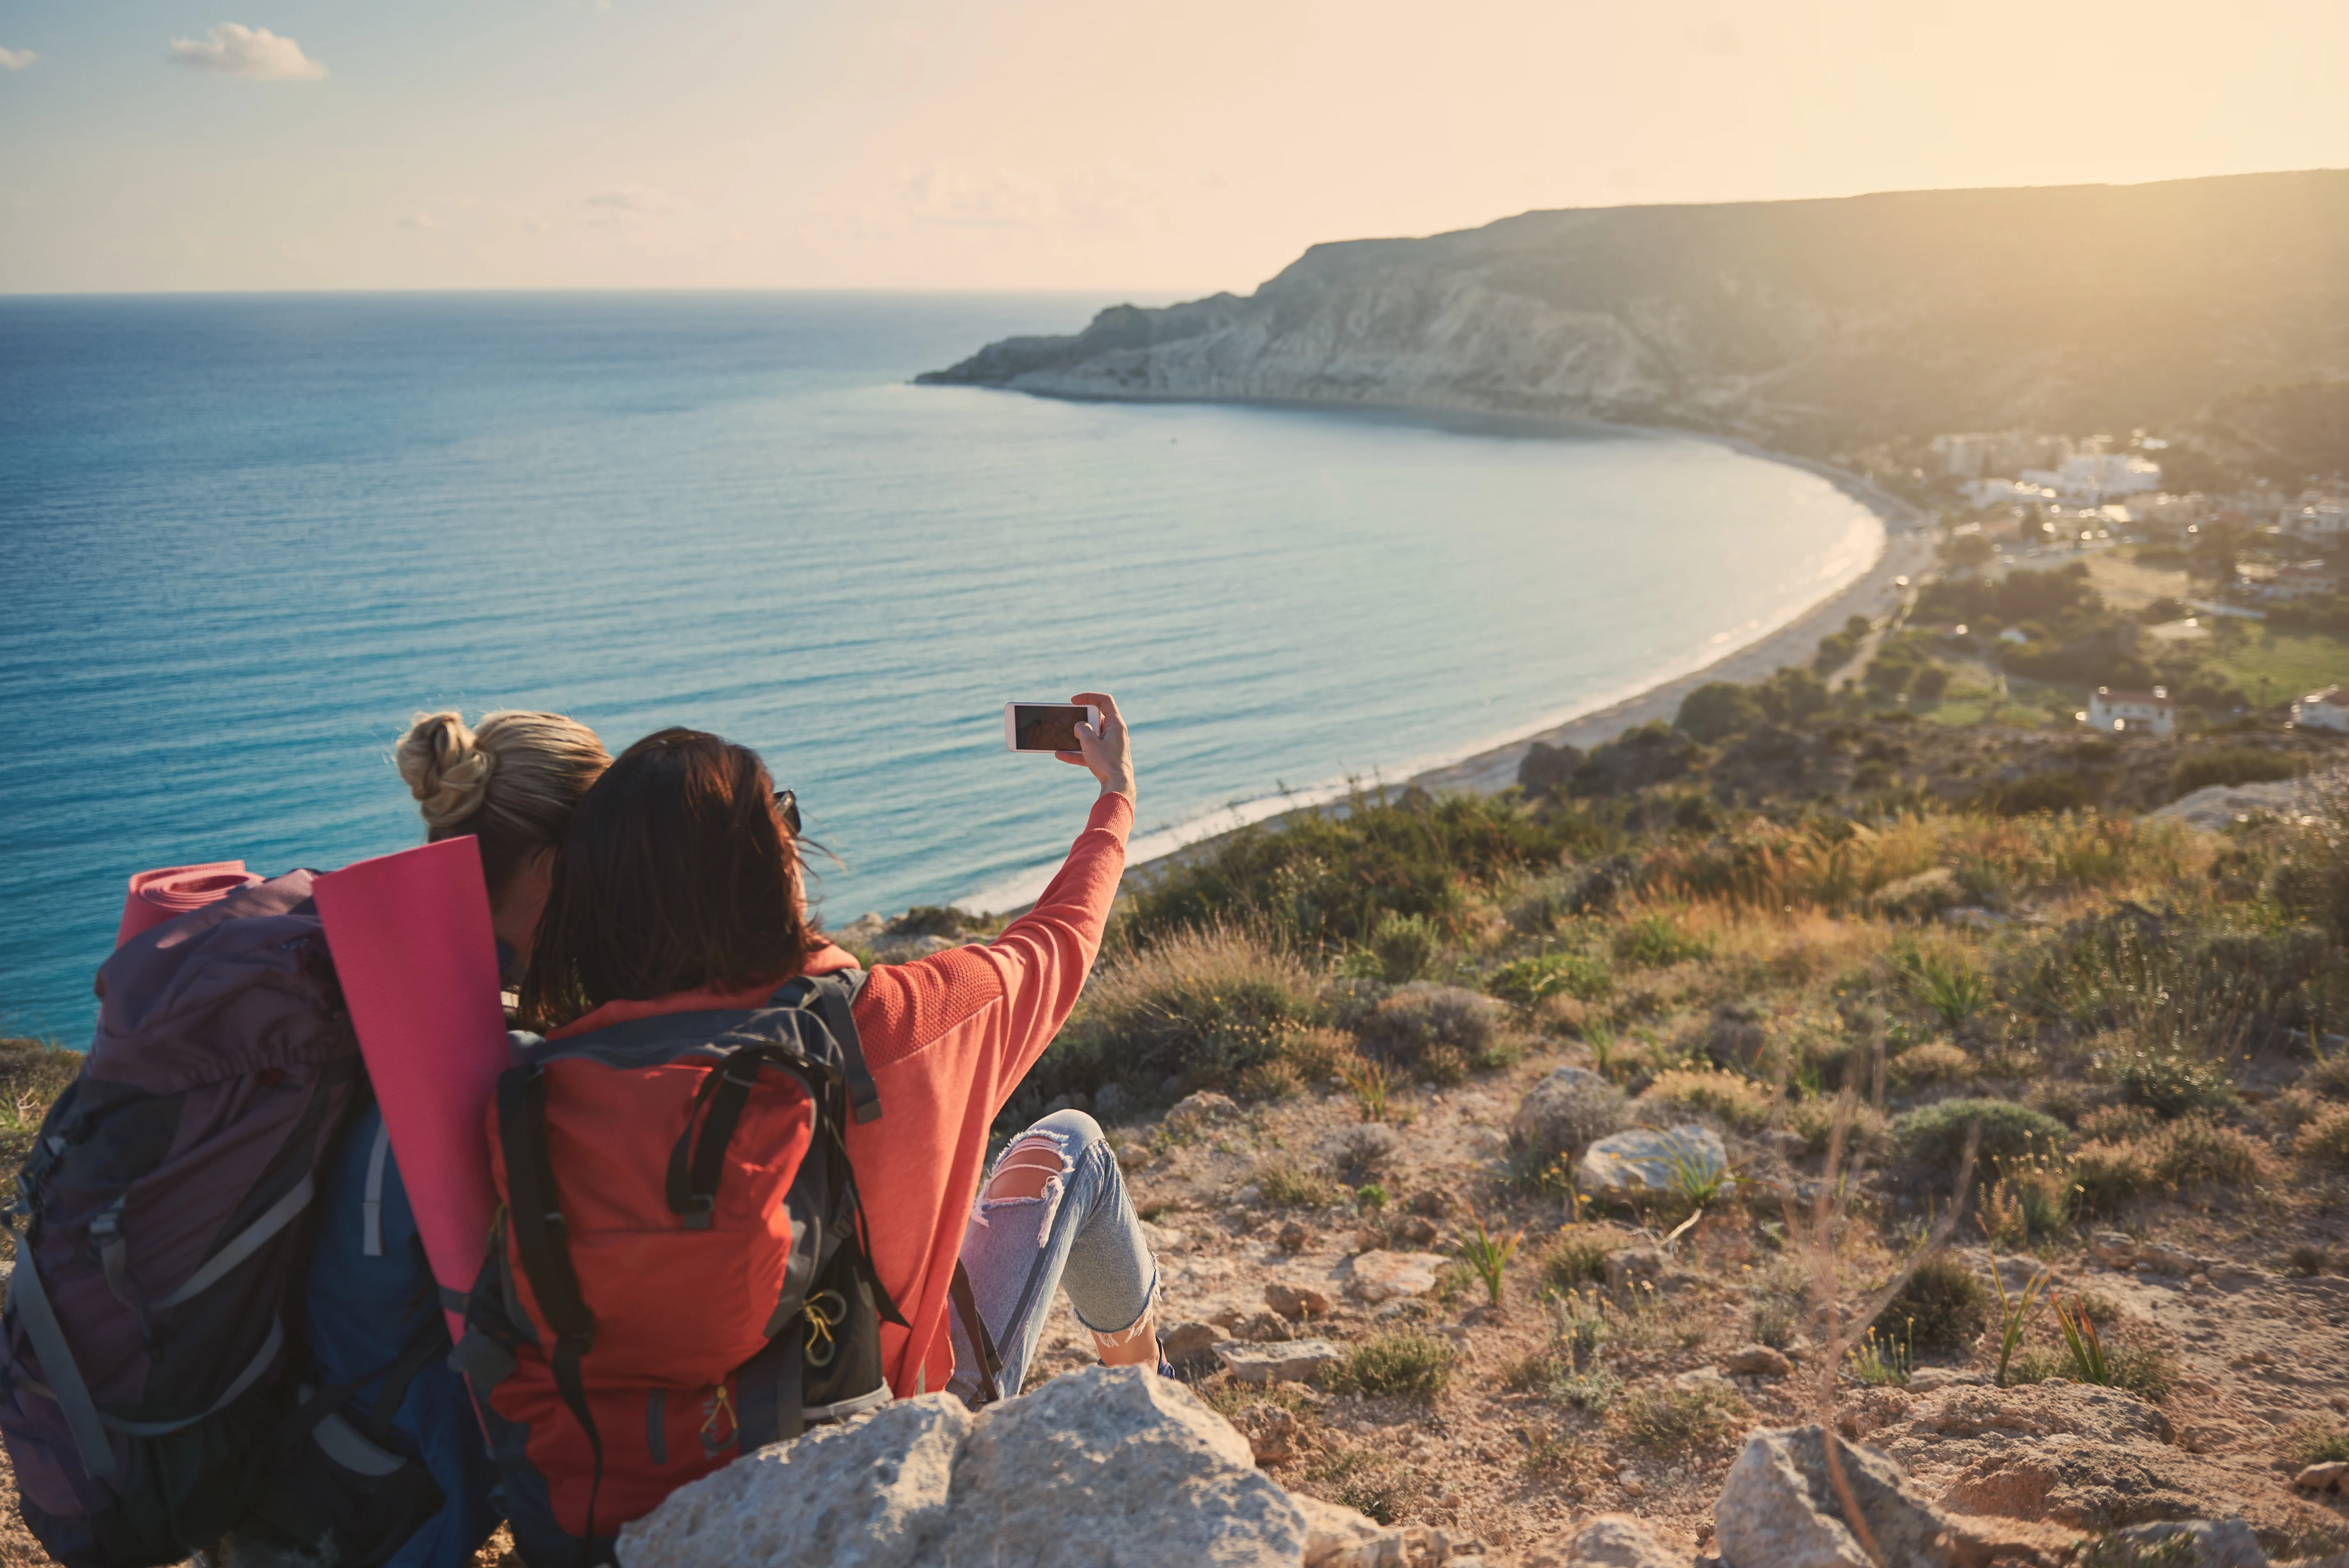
<point x="947" y="1039"/>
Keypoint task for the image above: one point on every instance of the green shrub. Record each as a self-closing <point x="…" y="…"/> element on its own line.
<point x="1433" y="1030"/>
<point x="2316" y="1441"/>
<point x="1572" y="1258"/>
<point x="1209" y="1004"/>
<point x="1329" y="878"/>
<point x="2171" y="1082"/>
<point x="938" y="920"/>
<point x="2197" y="1149"/>
<point x="1286" y="1184"/>
<point x="2329" y="1077"/>
<point x="1404" y="1364"/>
<point x="1405" y="946"/>
<point x="1655" y="941"/>
<point x="1528" y="982"/>
<point x="1739" y="1102"/>
<point x="1942" y="1307"/>
<point x="2325" y="1138"/>
<point x="2228" y="765"/>
<point x="2107" y="1175"/>
<point x="1716" y="710"/>
<point x="1935" y="1135"/>
<point x="1669" y="1422"/>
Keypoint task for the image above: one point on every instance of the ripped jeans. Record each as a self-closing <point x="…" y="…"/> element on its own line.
<point x="1081" y="1235"/>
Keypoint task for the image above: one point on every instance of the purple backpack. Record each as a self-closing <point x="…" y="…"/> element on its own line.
<point x="148" y="1369"/>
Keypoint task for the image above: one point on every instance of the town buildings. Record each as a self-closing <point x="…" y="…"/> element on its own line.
<point x="2132" y="712"/>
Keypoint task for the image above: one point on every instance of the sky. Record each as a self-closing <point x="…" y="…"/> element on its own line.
<point x="1035" y="144"/>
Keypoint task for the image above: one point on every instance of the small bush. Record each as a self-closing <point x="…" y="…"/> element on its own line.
<point x="2326" y="1137"/>
<point x="1529" y="982"/>
<point x="1404" y="1363"/>
<point x="1286" y="1184"/>
<point x="1208" y="1004"/>
<point x="1365" y="1151"/>
<point x="2120" y="1123"/>
<point x="2198" y="1150"/>
<point x="2329" y="1078"/>
<point x="1935" y="1135"/>
<point x="2171" y="1082"/>
<point x="1812" y="1120"/>
<point x="1405" y="946"/>
<point x="1572" y="1258"/>
<point x="1435" y="1031"/>
<point x="2107" y="1175"/>
<point x="1738" y="1101"/>
<point x="1669" y="1422"/>
<point x="1935" y="1062"/>
<point x="2316" y="1441"/>
<point x="1655" y="941"/>
<point x="1942" y="1307"/>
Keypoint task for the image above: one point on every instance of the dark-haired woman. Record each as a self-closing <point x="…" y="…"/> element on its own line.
<point x="679" y="890"/>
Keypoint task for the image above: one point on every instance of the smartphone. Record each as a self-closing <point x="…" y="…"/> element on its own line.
<point x="1045" y="725"/>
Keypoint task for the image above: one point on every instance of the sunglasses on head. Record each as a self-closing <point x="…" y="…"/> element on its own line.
<point x="787" y="807"/>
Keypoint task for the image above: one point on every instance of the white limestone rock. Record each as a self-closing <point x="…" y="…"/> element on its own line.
<point x="1296" y="1361"/>
<point x="1648" y="1161"/>
<point x="871" y="1493"/>
<point x="1382" y="1275"/>
<point x="1117" y="1468"/>
<point x="1778" y="1508"/>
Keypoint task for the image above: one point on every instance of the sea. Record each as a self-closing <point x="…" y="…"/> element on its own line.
<point x="245" y="538"/>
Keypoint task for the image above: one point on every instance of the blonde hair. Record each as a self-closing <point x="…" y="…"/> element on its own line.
<point x="510" y="782"/>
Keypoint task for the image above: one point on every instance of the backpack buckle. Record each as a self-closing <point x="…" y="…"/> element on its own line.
<point x="697" y="1218"/>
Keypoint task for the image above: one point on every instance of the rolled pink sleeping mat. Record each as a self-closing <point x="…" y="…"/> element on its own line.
<point x="419" y="966"/>
<point x="166" y="894"/>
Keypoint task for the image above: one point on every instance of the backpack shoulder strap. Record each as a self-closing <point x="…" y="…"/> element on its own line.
<point x="831" y="997"/>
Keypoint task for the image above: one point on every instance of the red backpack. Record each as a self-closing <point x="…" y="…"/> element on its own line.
<point x="678" y="1273"/>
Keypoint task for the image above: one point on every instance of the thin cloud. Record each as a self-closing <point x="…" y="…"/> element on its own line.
<point x="418" y="221"/>
<point x="17" y="59"/>
<point x="1089" y="201"/>
<point x="255" y="54"/>
<point x="634" y="201"/>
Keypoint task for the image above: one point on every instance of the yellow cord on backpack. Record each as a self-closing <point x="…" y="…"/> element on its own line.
<point x="820" y="1326"/>
<point x="723" y="1404"/>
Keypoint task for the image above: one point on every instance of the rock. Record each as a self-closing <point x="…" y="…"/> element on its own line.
<point x="1367" y="1239"/>
<point x="1248" y="1197"/>
<point x="2227" y="1544"/>
<point x="1756" y="1361"/>
<point x="1133" y="1156"/>
<point x="1295" y="1236"/>
<point x="2167" y="1258"/>
<point x="1296" y="1301"/>
<point x="1140" y="1459"/>
<point x="1163" y="1241"/>
<point x="1264" y="1329"/>
<point x="1187" y="1341"/>
<point x="1779" y="1510"/>
<point x="1567" y="1112"/>
<point x="873" y="1493"/>
<point x="1644" y="1159"/>
<point x="1918" y="897"/>
<point x="1704" y="1380"/>
<point x="1417" y="1229"/>
<point x="1111" y="1102"/>
<point x="1933" y="1380"/>
<point x="1382" y="1276"/>
<point x="1432" y="1201"/>
<point x="1632" y="1264"/>
<point x="1195" y="1112"/>
<point x="1272" y="1434"/>
<point x="1296" y="1361"/>
<point x="1620" y="1540"/>
<point x="1407" y="1546"/>
<point x="1330" y="1528"/>
<point x="2113" y="1248"/>
<point x="2334" y="1477"/>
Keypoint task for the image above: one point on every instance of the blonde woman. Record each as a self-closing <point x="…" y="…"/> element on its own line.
<point x="374" y="1325"/>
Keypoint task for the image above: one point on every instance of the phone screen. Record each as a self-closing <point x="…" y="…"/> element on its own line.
<point x="1045" y="725"/>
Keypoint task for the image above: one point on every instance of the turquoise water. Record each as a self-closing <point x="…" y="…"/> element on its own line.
<point x="246" y="536"/>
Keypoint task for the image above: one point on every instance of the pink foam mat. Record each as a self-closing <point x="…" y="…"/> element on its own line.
<point x="160" y="895"/>
<point x="417" y="961"/>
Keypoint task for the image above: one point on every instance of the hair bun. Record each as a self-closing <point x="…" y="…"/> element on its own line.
<point x="445" y="768"/>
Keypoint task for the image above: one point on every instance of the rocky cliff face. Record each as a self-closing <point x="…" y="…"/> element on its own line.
<point x="1800" y="323"/>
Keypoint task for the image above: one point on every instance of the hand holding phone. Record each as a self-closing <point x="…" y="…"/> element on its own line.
<point x="1087" y="731"/>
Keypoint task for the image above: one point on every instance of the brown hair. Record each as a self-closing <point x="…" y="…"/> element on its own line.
<point x="677" y="875"/>
<point x="511" y="782"/>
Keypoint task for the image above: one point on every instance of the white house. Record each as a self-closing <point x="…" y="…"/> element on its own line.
<point x="2095" y="476"/>
<point x="2326" y="709"/>
<point x="2304" y="580"/>
<point x="1985" y="494"/>
<point x="2132" y="712"/>
<point x="2324" y="520"/>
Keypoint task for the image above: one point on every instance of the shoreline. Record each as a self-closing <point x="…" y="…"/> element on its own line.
<point x="1908" y="551"/>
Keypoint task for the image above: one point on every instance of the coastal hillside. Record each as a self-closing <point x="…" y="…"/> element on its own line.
<point x="1806" y="324"/>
